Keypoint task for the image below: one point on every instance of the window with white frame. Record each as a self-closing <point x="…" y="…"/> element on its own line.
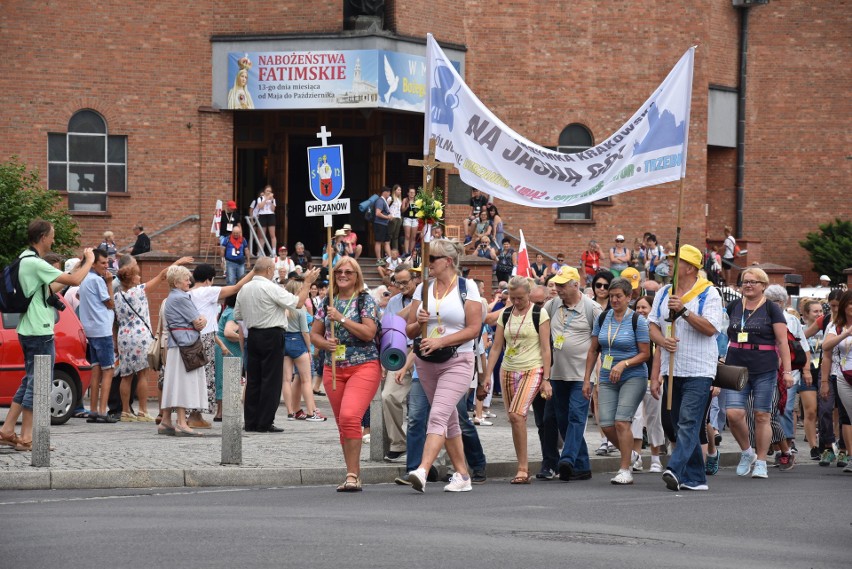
<point x="87" y="162"/>
<point x="575" y="138"/>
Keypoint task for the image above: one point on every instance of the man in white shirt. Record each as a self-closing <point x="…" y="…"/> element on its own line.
<point x="696" y="307"/>
<point x="261" y="305"/>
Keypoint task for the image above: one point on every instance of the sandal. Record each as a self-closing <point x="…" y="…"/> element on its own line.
<point x="166" y="430"/>
<point x="521" y="478"/>
<point x="351" y="484"/>
<point x="9" y="440"/>
<point x="81" y="414"/>
<point x="24" y="447"/>
<point x="159" y="418"/>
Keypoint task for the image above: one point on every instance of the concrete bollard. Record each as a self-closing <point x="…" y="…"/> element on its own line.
<point x="232" y="412"/>
<point x="42" y="385"/>
<point x="377" y="428"/>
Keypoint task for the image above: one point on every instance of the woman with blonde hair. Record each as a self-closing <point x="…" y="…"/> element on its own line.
<point x="182" y="389"/>
<point x="524" y="329"/>
<point x="444" y="357"/>
<point x="354" y="318"/>
<point x="757" y="333"/>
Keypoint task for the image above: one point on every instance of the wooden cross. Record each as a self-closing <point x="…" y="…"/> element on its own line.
<point x="429" y="164"/>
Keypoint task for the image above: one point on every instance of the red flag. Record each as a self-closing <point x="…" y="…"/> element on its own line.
<point x="524" y="269"/>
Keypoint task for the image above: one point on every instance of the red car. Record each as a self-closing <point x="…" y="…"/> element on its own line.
<point x="71" y="370"/>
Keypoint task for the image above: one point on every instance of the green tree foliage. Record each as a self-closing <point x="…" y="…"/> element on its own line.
<point x="831" y="249"/>
<point x="24" y="199"/>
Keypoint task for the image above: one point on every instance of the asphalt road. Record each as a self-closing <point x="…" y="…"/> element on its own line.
<point x="796" y="519"/>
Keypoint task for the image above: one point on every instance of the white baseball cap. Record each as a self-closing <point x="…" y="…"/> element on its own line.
<point x="825" y="278"/>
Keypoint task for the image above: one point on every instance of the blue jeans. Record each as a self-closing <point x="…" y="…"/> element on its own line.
<point x="572" y="411"/>
<point x="548" y="432"/>
<point x="32" y="346"/>
<point x="418" y="418"/>
<point x="689" y="403"/>
<point x="234" y="272"/>
<point x="786" y="418"/>
<point x="763" y="385"/>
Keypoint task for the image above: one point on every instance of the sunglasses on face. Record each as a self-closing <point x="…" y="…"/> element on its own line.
<point x="600" y="285"/>
<point x="346" y="273"/>
<point x="433" y="258"/>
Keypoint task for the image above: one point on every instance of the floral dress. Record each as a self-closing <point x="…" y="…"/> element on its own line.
<point x="134" y="329"/>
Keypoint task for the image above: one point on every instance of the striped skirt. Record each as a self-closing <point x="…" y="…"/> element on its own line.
<point x="520" y="388"/>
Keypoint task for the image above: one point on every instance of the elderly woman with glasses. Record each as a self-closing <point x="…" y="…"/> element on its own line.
<point x="624" y="344"/>
<point x="354" y="318"/>
<point x="757" y="334"/>
<point x="452" y="321"/>
<point x="783" y="427"/>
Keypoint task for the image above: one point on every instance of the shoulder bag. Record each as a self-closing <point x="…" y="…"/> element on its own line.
<point x="156" y="350"/>
<point x="192" y="355"/>
<point x="730" y="377"/>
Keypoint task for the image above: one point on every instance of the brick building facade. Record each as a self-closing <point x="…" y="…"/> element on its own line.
<point x="147" y="69"/>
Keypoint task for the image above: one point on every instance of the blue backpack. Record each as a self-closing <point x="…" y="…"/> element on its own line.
<point x="368" y="207"/>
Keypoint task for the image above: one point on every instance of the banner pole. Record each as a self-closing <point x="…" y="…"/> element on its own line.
<point x="674" y="291"/>
<point x="331" y="303"/>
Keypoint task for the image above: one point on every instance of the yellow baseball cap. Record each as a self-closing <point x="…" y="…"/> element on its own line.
<point x="691" y="255"/>
<point x="631" y="275"/>
<point x="566" y="274"/>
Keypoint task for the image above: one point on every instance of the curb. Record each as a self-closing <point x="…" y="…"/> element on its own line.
<point x="51" y="479"/>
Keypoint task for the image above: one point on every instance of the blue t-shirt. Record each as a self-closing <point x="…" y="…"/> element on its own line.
<point x="95" y="316"/>
<point x="381" y="205"/>
<point x="235" y="254"/>
<point x="623" y="343"/>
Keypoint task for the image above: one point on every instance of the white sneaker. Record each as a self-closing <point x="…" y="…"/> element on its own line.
<point x="656" y="467"/>
<point x="458" y="484"/>
<point x="417" y="478"/>
<point x="694" y="487"/>
<point x="489" y="415"/>
<point x="366" y="439"/>
<point x="483" y="422"/>
<point x="623" y="477"/>
<point x="637" y="462"/>
<point x="848" y="467"/>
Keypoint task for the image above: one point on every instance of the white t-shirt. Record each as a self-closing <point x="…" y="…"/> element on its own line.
<point x="451" y="310"/>
<point x="730" y="244"/>
<point x="206" y="300"/>
<point x="795" y="328"/>
<point x="841" y="355"/>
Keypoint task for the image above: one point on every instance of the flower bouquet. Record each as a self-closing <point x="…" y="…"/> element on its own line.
<point x="430" y="210"/>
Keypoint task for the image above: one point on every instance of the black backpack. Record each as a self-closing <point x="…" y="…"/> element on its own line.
<point x="602" y="317"/>
<point x="12" y="297"/>
<point x="536" y="316"/>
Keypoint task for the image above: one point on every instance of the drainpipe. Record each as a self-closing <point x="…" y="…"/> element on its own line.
<point x="744" y="6"/>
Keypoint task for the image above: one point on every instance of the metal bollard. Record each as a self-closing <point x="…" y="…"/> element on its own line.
<point x="377" y="428"/>
<point x="232" y="412"/>
<point x="42" y="385"/>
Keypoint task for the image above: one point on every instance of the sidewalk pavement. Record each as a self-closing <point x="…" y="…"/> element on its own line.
<point x="132" y="455"/>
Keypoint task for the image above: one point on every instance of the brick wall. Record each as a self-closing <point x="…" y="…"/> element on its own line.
<point x="146" y="68"/>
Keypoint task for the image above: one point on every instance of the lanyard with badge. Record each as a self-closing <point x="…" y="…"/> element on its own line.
<point x="742" y="336"/>
<point x="512" y="350"/>
<point x="340" y="349"/>
<point x="559" y="341"/>
<point x="610" y="338"/>
<point x="440" y="329"/>
<point x="844" y="357"/>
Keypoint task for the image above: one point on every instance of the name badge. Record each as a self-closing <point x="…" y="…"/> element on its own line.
<point x="340" y="353"/>
<point x="815" y="361"/>
<point x="843" y="363"/>
<point x="557" y="343"/>
<point x="511" y="352"/>
<point x="668" y="330"/>
<point x="229" y="227"/>
<point x="742" y="337"/>
<point x="607" y="362"/>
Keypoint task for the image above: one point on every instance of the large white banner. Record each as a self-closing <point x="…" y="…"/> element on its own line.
<point x="649" y="149"/>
